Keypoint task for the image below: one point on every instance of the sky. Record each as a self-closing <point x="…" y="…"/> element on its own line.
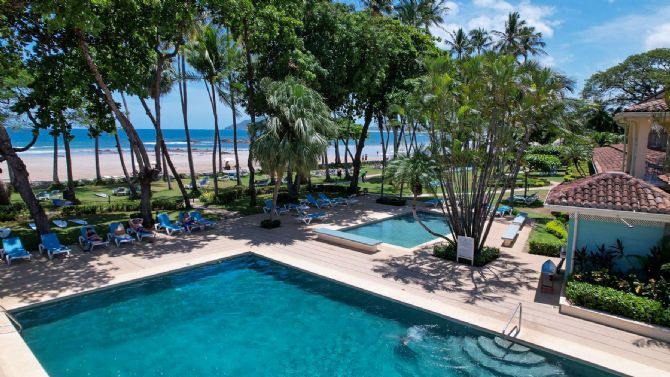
<point x="582" y="36"/>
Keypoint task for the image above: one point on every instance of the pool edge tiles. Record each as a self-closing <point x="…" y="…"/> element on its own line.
<point x="248" y="260"/>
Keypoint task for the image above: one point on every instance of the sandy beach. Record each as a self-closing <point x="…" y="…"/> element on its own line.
<point x="40" y="166"/>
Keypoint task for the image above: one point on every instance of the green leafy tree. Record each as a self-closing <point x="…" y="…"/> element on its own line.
<point x="295" y="134"/>
<point x="635" y="79"/>
<point x="418" y="171"/>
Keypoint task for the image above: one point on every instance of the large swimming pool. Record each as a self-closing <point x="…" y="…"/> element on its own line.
<point x="252" y="317"/>
<point x="403" y="230"/>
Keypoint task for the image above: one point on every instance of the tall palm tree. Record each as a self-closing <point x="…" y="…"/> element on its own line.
<point x="183" y="100"/>
<point x="295" y="133"/>
<point x="379" y="7"/>
<point x="409" y="13"/>
<point x="459" y="44"/>
<point x="480" y="40"/>
<point x="207" y="57"/>
<point x="531" y="43"/>
<point x="509" y="39"/>
<point x="431" y="13"/>
<point x="56" y="179"/>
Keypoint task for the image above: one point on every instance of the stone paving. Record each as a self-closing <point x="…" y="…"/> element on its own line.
<point x="482" y="297"/>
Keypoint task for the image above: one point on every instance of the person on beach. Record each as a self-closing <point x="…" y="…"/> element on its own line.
<point x="136" y="225"/>
<point x="363" y="174"/>
<point x="339" y="174"/>
<point x="91" y="235"/>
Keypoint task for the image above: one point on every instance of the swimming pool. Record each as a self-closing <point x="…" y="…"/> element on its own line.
<point x="252" y="317"/>
<point x="403" y="230"/>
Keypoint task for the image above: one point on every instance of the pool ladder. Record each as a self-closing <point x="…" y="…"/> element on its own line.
<point x="516" y="329"/>
<point x="12" y="319"/>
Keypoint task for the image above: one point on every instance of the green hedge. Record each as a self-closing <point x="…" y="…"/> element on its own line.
<point x="270" y="224"/>
<point x="616" y="302"/>
<point x="557" y="228"/>
<point x="550" y="249"/>
<point x="391" y="200"/>
<point x="484" y="257"/>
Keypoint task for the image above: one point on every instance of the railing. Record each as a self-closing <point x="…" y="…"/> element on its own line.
<point x="516" y="329"/>
<point x="14" y="321"/>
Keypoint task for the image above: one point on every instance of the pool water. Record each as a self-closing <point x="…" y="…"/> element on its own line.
<point x="252" y="317"/>
<point x="403" y="230"/>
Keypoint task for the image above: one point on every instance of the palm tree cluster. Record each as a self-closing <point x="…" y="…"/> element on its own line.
<point x="517" y="39"/>
<point x="421" y="14"/>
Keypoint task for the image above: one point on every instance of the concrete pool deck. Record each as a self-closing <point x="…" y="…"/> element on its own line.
<point x="482" y="297"/>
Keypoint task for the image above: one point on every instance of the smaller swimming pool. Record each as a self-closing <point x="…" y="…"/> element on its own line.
<point x="404" y="230"/>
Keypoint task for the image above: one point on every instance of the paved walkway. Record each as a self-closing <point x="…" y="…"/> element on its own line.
<point x="483" y="297"/>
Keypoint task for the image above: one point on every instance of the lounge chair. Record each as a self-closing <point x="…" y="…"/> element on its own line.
<point x="185" y="220"/>
<point x="307" y="218"/>
<point x="520" y="219"/>
<point x="43" y="196"/>
<point x="85" y="241"/>
<point x="527" y="200"/>
<point x="204" y="182"/>
<point x="117" y="234"/>
<point x="318" y="203"/>
<point x="435" y="202"/>
<point x="61" y="202"/>
<point x="5" y="232"/>
<point x="278" y="210"/>
<point x="12" y="248"/>
<point x="197" y="216"/>
<point x="510" y="234"/>
<point x="52" y="246"/>
<point x="338" y="200"/>
<point x="60" y="223"/>
<point x="121" y="191"/>
<point x="503" y="210"/>
<point x="163" y="222"/>
<point x="301" y="207"/>
<point x="136" y="230"/>
<point x="54" y="193"/>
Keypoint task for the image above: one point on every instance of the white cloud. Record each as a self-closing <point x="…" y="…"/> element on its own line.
<point x="453" y="6"/>
<point x="538" y="17"/>
<point x="443" y="31"/>
<point x="499" y="5"/>
<point x="548" y="61"/>
<point x="659" y="37"/>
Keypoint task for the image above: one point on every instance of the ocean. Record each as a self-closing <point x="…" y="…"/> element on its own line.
<point x="175" y="139"/>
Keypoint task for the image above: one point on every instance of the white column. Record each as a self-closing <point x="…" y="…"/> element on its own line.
<point x="643" y="126"/>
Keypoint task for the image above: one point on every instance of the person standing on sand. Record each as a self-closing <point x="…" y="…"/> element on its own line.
<point x="363" y="174"/>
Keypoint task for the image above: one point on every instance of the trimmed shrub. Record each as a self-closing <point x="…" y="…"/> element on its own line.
<point x="270" y="224"/>
<point x="568" y="178"/>
<point x="482" y="258"/>
<point x="392" y="201"/>
<point x="618" y="303"/>
<point x="557" y="228"/>
<point x="554" y="150"/>
<point x="550" y="249"/>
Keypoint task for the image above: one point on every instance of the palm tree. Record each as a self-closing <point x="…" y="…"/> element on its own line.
<point x="509" y="39"/>
<point x="378" y="7"/>
<point x="480" y="40"/>
<point x="431" y="12"/>
<point x="409" y="13"/>
<point x="531" y="43"/>
<point x="295" y="133"/>
<point x="183" y="100"/>
<point x="459" y="43"/>
<point x="207" y="57"/>
<point x="54" y="133"/>
<point x="417" y="171"/>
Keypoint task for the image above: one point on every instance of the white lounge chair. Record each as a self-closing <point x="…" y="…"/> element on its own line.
<point x="307" y="218"/>
<point x="510" y="234"/>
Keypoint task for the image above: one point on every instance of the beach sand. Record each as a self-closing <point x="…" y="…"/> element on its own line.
<point x="40" y="166"/>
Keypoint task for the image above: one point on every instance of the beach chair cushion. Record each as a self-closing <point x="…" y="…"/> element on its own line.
<point x="197" y="216"/>
<point x="12" y="248"/>
<point x="511" y="232"/>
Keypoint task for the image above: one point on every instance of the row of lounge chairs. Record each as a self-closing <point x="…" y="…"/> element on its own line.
<point x="301" y="208"/>
<point x="118" y="234"/>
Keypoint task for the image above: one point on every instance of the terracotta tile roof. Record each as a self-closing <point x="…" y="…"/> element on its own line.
<point x="613" y="191"/>
<point x="655" y="103"/>
<point x="610" y="158"/>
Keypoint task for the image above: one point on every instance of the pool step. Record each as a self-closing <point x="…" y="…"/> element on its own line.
<point x="491" y="348"/>
<point x="462" y="363"/>
<point x="505" y="367"/>
<point x="511" y="346"/>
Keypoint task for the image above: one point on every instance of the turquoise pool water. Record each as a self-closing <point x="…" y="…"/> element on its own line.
<point x="403" y="230"/>
<point x="252" y="317"/>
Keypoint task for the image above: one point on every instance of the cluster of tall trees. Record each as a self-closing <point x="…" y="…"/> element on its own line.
<point x="311" y="70"/>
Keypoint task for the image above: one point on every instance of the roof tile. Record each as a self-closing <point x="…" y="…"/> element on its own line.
<point x="613" y="190"/>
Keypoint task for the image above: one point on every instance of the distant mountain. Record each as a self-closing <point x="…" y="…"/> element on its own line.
<point x="242" y="125"/>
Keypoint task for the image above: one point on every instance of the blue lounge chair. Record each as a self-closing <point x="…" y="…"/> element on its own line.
<point x="61" y="202"/>
<point x="85" y="241"/>
<point x="278" y="210"/>
<point x="52" y="245"/>
<point x="204" y="182"/>
<point x="136" y="229"/>
<point x="117" y="234"/>
<point x="435" y="202"/>
<point x="503" y="210"/>
<point x="12" y="248"/>
<point x="42" y="196"/>
<point x="163" y="222"/>
<point x="307" y="218"/>
<point x="185" y="220"/>
<point x="318" y="203"/>
<point x="197" y="216"/>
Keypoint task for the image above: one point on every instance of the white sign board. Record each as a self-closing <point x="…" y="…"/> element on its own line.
<point x="466" y="249"/>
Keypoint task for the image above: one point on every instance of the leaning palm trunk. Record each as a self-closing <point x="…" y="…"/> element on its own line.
<point x="132" y="149"/>
<point x="69" y="194"/>
<point x="212" y="99"/>
<point x="98" y="176"/>
<point x="183" y="96"/>
<point x="123" y="165"/>
<point x="56" y="180"/>
<point x="237" y="158"/>
<point x="250" y="109"/>
<point x="21" y="182"/>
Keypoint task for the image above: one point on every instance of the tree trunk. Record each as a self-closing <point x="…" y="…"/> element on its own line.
<point x="5" y="193"/>
<point x="98" y="176"/>
<point x="237" y="158"/>
<point x="69" y="194"/>
<point x="275" y="193"/>
<point x="220" y="153"/>
<point x="133" y="194"/>
<point x="56" y="180"/>
<point x="22" y="182"/>
<point x="146" y="172"/>
<point x="338" y="160"/>
<point x="157" y="154"/>
<point x="166" y="176"/>
<point x="325" y="157"/>
<point x="353" y="186"/>
<point x="183" y="95"/>
<point x="132" y="149"/>
<point x="211" y="91"/>
<point x="251" y="111"/>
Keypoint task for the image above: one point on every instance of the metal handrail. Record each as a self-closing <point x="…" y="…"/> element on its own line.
<point x="519" y="308"/>
<point x="12" y="319"/>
